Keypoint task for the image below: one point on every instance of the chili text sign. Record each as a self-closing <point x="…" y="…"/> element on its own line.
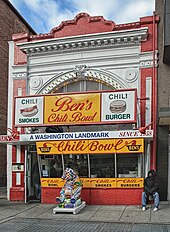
<point x="119" y="106"/>
<point x="91" y="146"/>
<point x="97" y="182"/>
<point x="29" y="111"/>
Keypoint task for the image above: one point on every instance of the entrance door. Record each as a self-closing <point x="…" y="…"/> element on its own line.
<point x="32" y="180"/>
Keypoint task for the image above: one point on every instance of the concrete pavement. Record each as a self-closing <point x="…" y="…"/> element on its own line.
<point x="91" y="213"/>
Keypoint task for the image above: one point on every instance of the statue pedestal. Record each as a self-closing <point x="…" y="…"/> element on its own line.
<point x="69" y="210"/>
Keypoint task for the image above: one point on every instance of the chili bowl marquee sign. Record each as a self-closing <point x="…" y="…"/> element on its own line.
<point x="78" y="108"/>
<point x="91" y="146"/>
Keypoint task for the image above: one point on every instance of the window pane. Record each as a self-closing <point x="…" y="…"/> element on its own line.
<point x="92" y="85"/>
<point x="51" y="166"/>
<point x="102" y="166"/>
<point x="127" y="165"/>
<point x="79" y="163"/>
<point x="73" y="87"/>
<point x="106" y="87"/>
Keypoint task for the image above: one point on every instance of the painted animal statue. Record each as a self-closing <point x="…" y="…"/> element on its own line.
<point x="70" y="194"/>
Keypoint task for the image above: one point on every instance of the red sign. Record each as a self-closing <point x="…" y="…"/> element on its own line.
<point x="13" y="136"/>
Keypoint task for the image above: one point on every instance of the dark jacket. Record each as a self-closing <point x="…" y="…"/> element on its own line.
<point x="151" y="184"/>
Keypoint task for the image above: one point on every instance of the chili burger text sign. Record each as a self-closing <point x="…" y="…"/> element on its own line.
<point x="119" y="106"/>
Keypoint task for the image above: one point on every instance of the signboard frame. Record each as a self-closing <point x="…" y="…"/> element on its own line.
<point x="30" y="112"/>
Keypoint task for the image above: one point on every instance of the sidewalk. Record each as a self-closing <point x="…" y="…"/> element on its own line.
<point x="93" y="213"/>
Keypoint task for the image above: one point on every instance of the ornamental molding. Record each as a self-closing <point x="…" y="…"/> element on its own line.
<point x="19" y="71"/>
<point x="146" y="59"/>
<point x="85" y="42"/>
<point x="35" y="82"/>
<point x="20" y="75"/>
<point x="82" y="72"/>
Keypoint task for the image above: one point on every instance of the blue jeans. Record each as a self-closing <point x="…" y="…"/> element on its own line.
<point x="38" y="191"/>
<point x="155" y="197"/>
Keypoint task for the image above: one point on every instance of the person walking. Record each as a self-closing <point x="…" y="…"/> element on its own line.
<point x="151" y="188"/>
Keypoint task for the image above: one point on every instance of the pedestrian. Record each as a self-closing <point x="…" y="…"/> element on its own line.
<point x="53" y="171"/>
<point x="151" y="188"/>
<point x="36" y="181"/>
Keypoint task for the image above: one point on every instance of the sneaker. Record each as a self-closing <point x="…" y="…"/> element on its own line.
<point x="143" y="208"/>
<point x="155" y="209"/>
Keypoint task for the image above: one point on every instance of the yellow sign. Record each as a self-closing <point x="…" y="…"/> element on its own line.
<point x="91" y="146"/>
<point x="52" y="182"/>
<point x="129" y="183"/>
<point x="72" y="109"/>
<point x="97" y="182"/>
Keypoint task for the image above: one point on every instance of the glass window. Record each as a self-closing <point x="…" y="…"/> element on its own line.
<point x="92" y="85"/>
<point x="73" y="87"/>
<point x="102" y="166"/>
<point x="129" y="165"/>
<point x="79" y="163"/>
<point x="51" y="166"/>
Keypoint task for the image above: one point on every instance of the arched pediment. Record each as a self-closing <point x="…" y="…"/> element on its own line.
<point x="82" y="73"/>
<point x="83" y="24"/>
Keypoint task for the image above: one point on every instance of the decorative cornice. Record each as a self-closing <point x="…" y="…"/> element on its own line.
<point x="84" y="42"/>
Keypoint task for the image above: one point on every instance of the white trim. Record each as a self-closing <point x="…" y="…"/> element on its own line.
<point x="148" y="101"/>
<point x="9" y="118"/>
<point x="18" y="154"/>
<point x="18" y="178"/>
<point x="85" y="135"/>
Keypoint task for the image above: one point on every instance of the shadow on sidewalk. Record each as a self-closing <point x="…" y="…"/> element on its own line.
<point x="3" y="193"/>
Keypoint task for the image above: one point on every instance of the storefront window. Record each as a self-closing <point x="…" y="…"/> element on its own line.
<point x="102" y="166"/>
<point x="51" y="166"/>
<point x="99" y="165"/>
<point x="79" y="163"/>
<point x="128" y="165"/>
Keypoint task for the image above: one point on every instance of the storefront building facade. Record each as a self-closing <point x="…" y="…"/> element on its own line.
<point x="84" y="64"/>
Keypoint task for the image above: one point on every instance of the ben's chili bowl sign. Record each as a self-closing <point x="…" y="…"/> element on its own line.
<point x="71" y="109"/>
<point x="91" y="146"/>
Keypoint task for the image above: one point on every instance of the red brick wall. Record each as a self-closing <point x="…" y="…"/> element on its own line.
<point x="9" y="23"/>
<point x="98" y="196"/>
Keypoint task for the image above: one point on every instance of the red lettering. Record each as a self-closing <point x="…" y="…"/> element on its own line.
<point x="92" y="146"/>
<point x="65" y="104"/>
<point x="57" y="118"/>
<point x="120" y="144"/>
<point x="14" y="135"/>
<point x="102" y="181"/>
